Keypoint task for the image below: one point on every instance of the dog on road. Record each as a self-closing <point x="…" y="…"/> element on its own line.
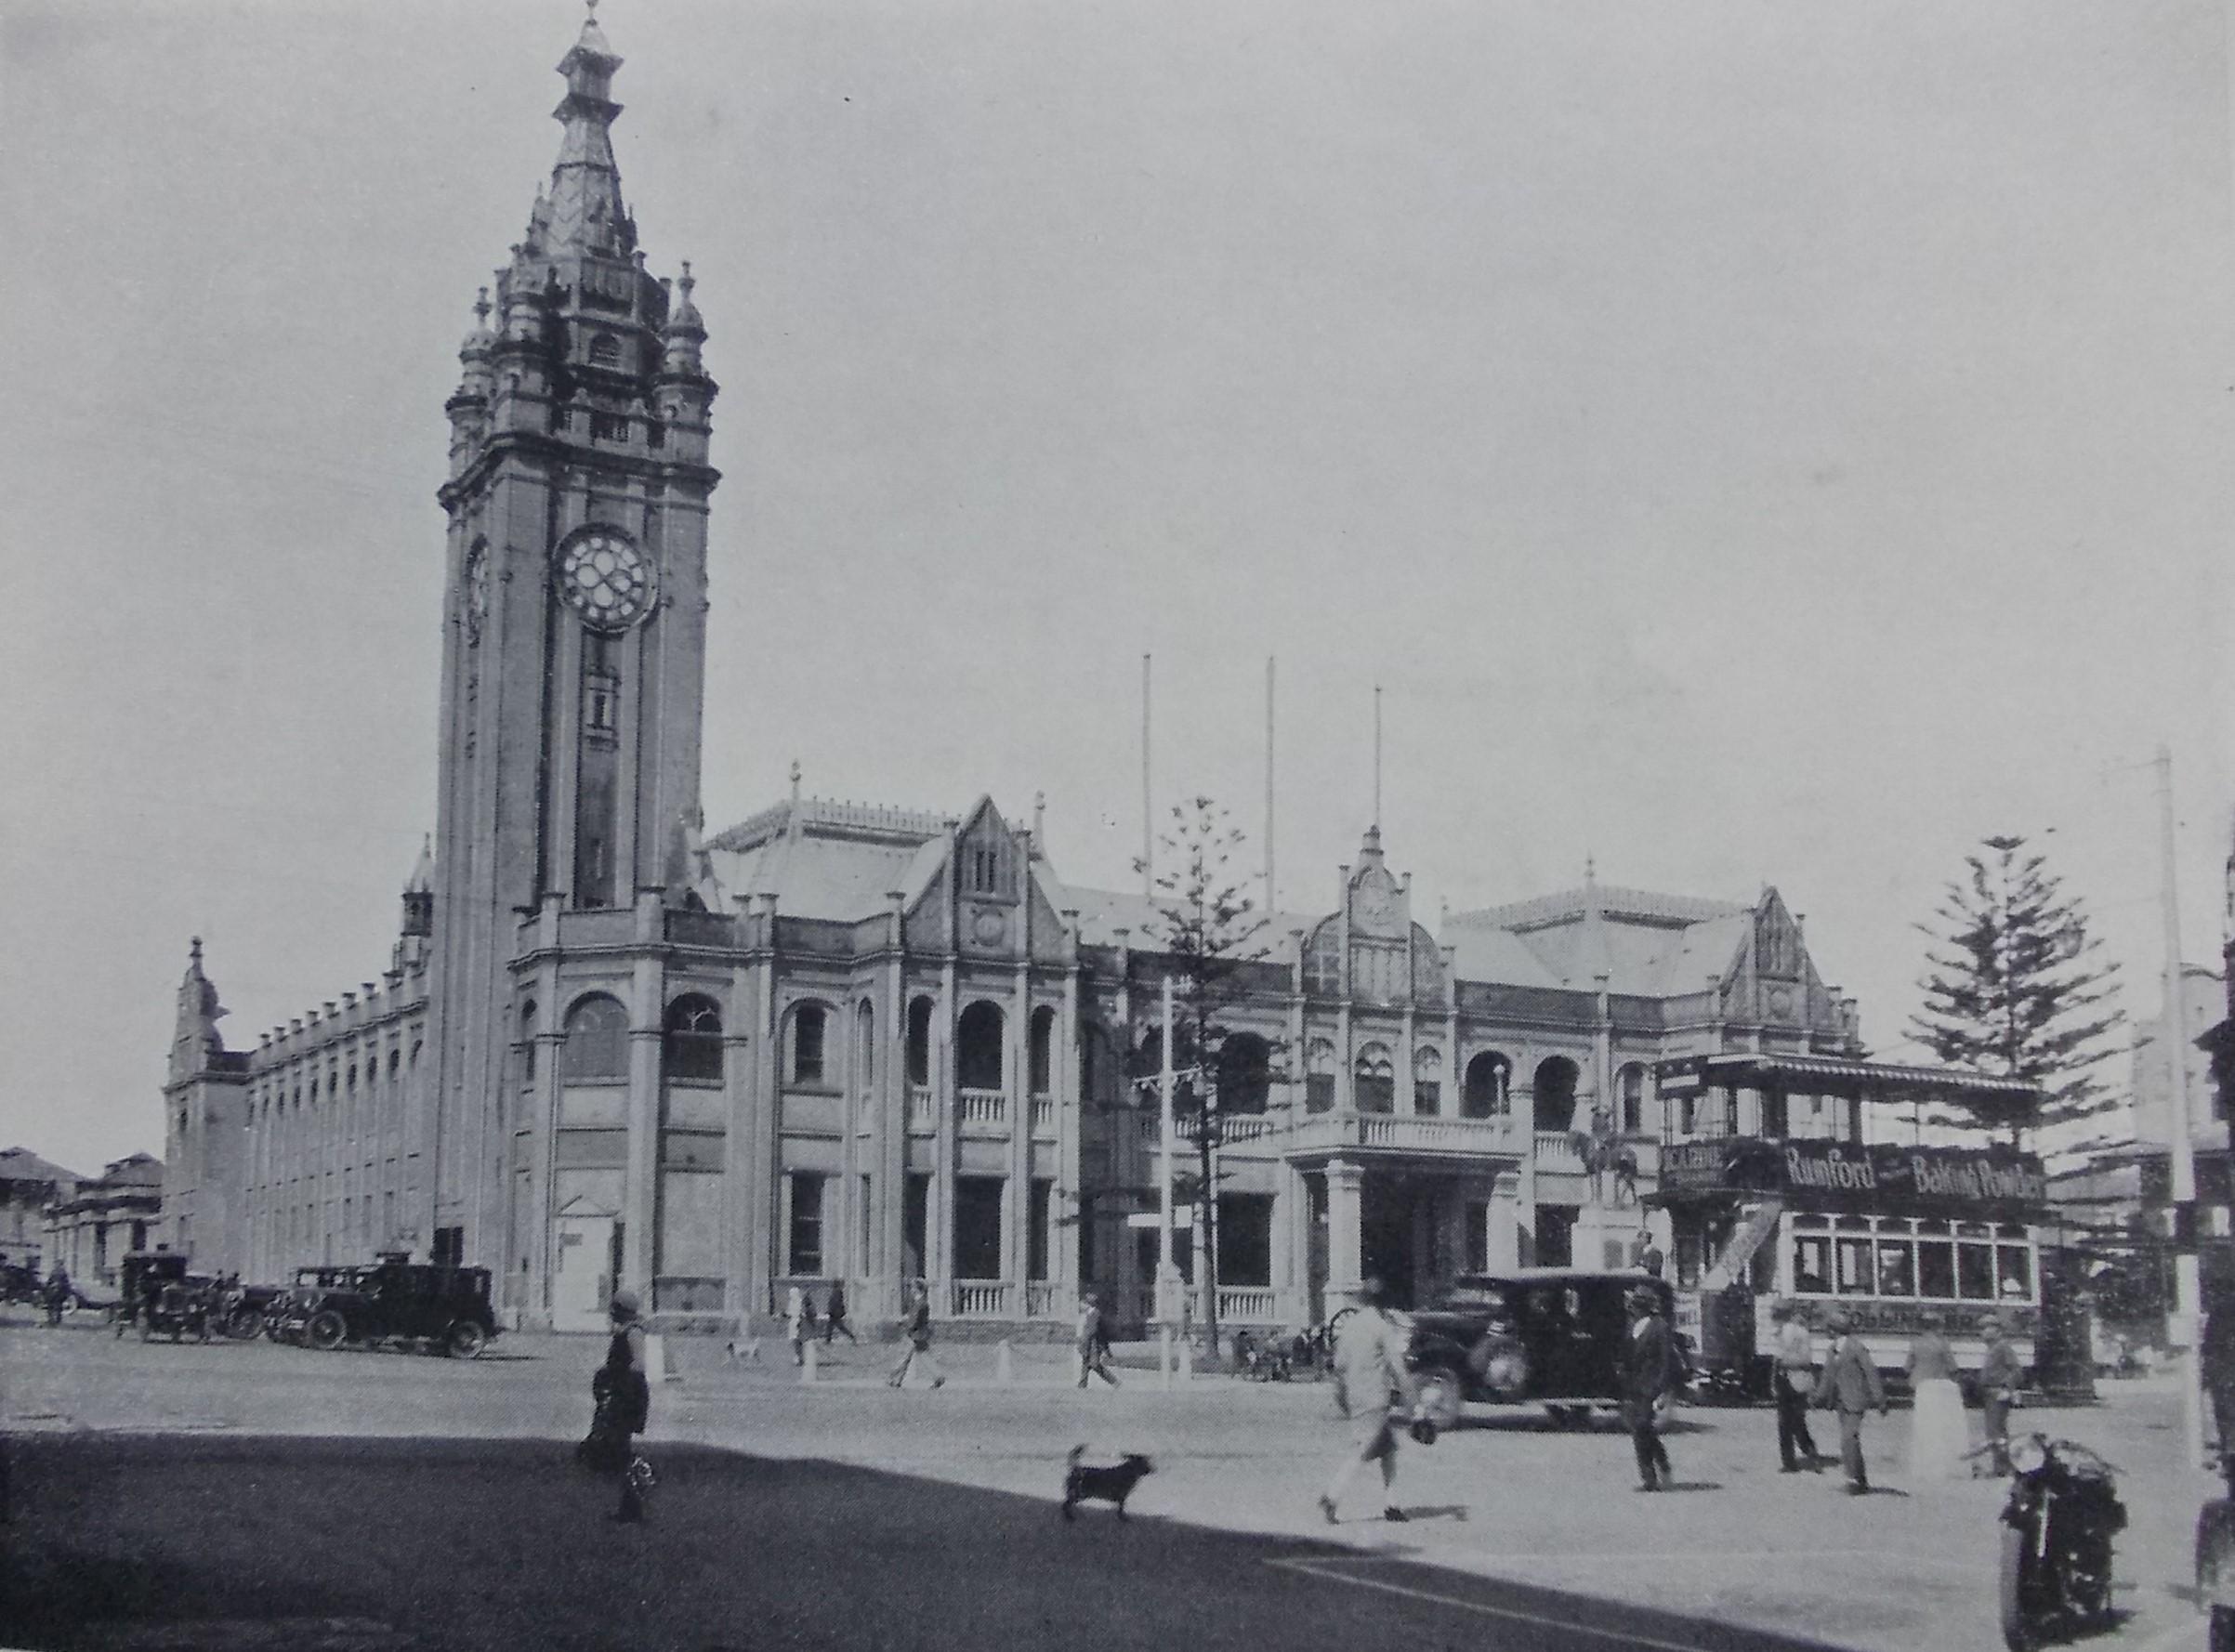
<point x="1110" y="1483"/>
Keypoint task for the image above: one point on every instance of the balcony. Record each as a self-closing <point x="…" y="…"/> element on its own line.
<point x="1039" y="1302"/>
<point x="1248" y="1305"/>
<point x="923" y="1111"/>
<point x="1395" y="1132"/>
<point x="982" y="1112"/>
<point x="1556" y="1152"/>
<point x="1044" y="1116"/>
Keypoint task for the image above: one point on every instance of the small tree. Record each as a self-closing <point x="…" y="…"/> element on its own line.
<point x="2017" y="988"/>
<point x="1209" y="934"/>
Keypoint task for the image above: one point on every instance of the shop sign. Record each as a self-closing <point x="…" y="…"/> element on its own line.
<point x="1955" y="1180"/>
<point x="1870" y="1316"/>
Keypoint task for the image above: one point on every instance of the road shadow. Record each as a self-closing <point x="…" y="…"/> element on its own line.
<point x="461" y="1545"/>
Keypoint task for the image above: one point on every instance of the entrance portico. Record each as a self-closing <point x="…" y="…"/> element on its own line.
<point x="1414" y="1221"/>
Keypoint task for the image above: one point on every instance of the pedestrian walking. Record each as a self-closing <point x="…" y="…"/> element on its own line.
<point x="1999" y="1374"/>
<point x="1092" y="1342"/>
<point x="916" y="1327"/>
<point x="1792" y="1381"/>
<point x="1373" y="1387"/>
<point x="57" y="1295"/>
<point x="2215" y="1351"/>
<point x="1938" y="1434"/>
<point x="1647" y="1379"/>
<point x="1849" y="1384"/>
<point x="621" y="1394"/>
<point x="834" y="1314"/>
<point x="794" y="1323"/>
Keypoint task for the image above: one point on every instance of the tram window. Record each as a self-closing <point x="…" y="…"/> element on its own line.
<point x="1936" y="1270"/>
<point x="2014" y="1264"/>
<point x="1811" y="1221"/>
<point x="1896" y="1268"/>
<point x="1811" y="1266"/>
<point x="1975" y="1272"/>
<point x="1930" y="1224"/>
<point x="1854" y="1259"/>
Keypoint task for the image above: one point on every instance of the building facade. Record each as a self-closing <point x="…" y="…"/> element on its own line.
<point x="839" y="1042"/>
<point x="28" y="1186"/>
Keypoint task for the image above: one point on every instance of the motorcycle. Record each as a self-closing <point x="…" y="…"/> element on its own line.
<point x="2058" y="1524"/>
<point x="2216" y="1560"/>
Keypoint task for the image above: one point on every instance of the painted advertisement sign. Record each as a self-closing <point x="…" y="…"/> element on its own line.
<point x="1946" y="1181"/>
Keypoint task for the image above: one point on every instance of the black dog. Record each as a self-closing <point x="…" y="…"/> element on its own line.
<point x="1113" y="1484"/>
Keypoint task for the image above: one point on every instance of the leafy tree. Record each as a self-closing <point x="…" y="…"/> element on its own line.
<point x="2017" y="988"/>
<point x="1210" y="935"/>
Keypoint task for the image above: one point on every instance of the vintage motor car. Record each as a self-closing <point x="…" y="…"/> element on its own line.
<point x="446" y="1309"/>
<point x="1550" y="1336"/>
<point x="287" y="1315"/>
<point x="140" y="1278"/>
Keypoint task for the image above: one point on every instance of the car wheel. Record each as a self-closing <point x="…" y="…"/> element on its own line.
<point x="245" y="1325"/>
<point x="327" y="1330"/>
<point x="467" y="1339"/>
<point x="1442" y="1397"/>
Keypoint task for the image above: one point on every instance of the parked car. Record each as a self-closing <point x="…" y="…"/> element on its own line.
<point x="141" y="1279"/>
<point x="181" y="1308"/>
<point x="1552" y="1336"/>
<point x="287" y="1315"/>
<point x="445" y="1308"/>
<point x="246" y="1311"/>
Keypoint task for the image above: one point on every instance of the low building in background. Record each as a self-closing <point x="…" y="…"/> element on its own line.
<point x="105" y="1218"/>
<point x="28" y="1184"/>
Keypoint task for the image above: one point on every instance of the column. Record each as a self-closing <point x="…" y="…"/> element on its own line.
<point x="1506" y="1227"/>
<point x="1345" y="1266"/>
<point x="1063" y="1243"/>
<point x="641" y="1186"/>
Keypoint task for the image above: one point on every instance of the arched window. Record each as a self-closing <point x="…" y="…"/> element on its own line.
<point x="1244" y="1074"/>
<point x="605" y="350"/>
<point x="1427" y="1081"/>
<point x="919" y="1042"/>
<point x="1319" y="1076"/>
<point x="1488" y="1090"/>
<point x="978" y="1064"/>
<point x="1043" y="1050"/>
<point x="597" y="1046"/>
<point x="1629" y="1085"/>
<point x="810" y="1022"/>
<point x="1555" y="1090"/>
<point x="527" y="1047"/>
<point x="865" y="1048"/>
<point x="690" y="1043"/>
<point x="1374" y="1080"/>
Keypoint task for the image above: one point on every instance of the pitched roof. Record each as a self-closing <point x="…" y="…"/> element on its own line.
<point x="1653" y="944"/>
<point x="20" y="1164"/>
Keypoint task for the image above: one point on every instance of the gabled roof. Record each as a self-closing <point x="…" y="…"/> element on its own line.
<point x="1649" y="945"/>
<point x="826" y="859"/>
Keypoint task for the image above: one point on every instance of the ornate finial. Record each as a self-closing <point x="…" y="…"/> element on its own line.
<point x="688" y="281"/>
<point x="591" y="5"/>
<point x="795" y="780"/>
<point x="194" y="952"/>
<point x="480" y="306"/>
<point x="1590" y="867"/>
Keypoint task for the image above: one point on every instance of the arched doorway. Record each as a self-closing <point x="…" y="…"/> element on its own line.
<point x="1555" y="1092"/>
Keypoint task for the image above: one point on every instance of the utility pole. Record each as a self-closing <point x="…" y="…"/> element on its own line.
<point x="1167" y="1274"/>
<point x="2185" y="1283"/>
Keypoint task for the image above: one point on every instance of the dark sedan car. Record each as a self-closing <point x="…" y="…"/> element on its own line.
<point x="446" y="1309"/>
<point x="1553" y="1336"/>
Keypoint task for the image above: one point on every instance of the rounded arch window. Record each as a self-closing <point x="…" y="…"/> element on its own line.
<point x="1044" y="1049"/>
<point x="1374" y="1080"/>
<point x="1244" y="1074"/>
<point x="690" y="1041"/>
<point x="605" y="350"/>
<point x="1554" y="1094"/>
<point x="527" y="1045"/>
<point x="865" y="1046"/>
<point x="1488" y="1093"/>
<point x="810" y="1052"/>
<point x="978" y="1064"/>
<point x="1319" y="1076"/>
<point x="597" y="1046"/>
<point x="919" y="1042"/>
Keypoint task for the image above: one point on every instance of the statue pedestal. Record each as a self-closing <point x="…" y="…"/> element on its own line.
<point x="1602" y="1240"/>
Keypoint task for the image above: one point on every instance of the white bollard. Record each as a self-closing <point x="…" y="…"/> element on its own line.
<point x="1187" y="1362"/>
<point x="656" y="1366"/>
<point x="811" y="1355"/>
<point x="1005" y="1365"/>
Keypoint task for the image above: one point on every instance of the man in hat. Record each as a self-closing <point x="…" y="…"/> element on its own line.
<point x="1999" y="1374"/>
<point x="1792" y="1381"/>
<point x="1850" y="1385"/>
<point x="1647" y="1365"/>
<point x="1372" y="1378"/>
<point x="623" y="1394"/>
<point x="1094" y="1348"/>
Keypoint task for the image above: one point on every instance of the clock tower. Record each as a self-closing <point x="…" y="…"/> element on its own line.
<point x="573" y="623"/>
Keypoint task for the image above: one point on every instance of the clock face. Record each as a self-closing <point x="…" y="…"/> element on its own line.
<point x="606" y="579"/>
<point x="477" y="592"/>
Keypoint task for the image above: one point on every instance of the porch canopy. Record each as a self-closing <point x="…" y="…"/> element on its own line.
<point x="1991" y="1100"/>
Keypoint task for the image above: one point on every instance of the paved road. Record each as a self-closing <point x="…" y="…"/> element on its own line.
<point x="846" y="1515"/>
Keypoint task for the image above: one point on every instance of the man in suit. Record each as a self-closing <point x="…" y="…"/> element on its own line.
<point x="1793" y="1381"/>
<point x="1646" y="1367"/>
<point x="1999" y="1375"/>
<point x="1849" y="1384"/>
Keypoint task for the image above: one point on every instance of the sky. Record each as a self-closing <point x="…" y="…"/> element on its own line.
<point x="1748" y="443"/>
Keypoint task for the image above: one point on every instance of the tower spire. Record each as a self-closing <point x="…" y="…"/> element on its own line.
<point x="582" y="211"/>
